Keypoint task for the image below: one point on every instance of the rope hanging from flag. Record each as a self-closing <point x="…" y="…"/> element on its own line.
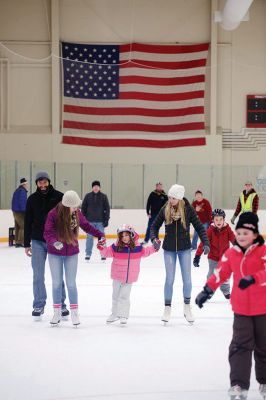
<point x="134" y="95"/>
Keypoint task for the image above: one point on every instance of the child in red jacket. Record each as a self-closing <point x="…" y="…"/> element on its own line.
<point x="247" y="261"/>
<point x="220" y="235"/>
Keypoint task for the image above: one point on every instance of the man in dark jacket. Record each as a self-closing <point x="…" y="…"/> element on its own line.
<point x="96" y="209"/>
<point x="156" y="200"/>
<point x="19" y="200"/>
<point x="38" y="205"/>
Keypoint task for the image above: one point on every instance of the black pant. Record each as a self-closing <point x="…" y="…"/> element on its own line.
<point x="249" y="334"/>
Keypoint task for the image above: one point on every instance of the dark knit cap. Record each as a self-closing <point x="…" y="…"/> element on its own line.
<point x="42" y="175"/>
<point x="22" y="181"/>
<point x="248" y="220"/>
<point x="95" y="183"/>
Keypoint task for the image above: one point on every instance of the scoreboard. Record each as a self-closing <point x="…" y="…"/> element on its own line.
<point x="256" y="111"/>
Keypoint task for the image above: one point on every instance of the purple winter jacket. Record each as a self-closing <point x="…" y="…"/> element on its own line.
<point x="51" y="237"/>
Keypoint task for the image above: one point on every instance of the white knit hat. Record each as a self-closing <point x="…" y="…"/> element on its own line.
<point x="71" y="199"/>
<point x="176" y="191"/>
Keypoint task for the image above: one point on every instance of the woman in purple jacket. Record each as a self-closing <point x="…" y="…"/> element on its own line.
<point x="61" y="234"/>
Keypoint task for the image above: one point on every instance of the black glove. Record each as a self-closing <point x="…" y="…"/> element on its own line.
<point x="196" y="261"/>
<point x="105" y="223"/>
<point x="246" y="282"/>
<point x="203" y="296"/>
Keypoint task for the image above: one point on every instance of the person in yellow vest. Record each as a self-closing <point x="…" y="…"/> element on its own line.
<point x="248" y="201"/>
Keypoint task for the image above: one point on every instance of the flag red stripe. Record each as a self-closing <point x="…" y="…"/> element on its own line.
<point x="159" y="144"/>
<point x="164" y="64"/>
<point x="192" y="126"/>
<point x="148" y="112"/>
<point x="161" y="96"/>
<point x="183" y="80"/>
<point x="163" y="49"/>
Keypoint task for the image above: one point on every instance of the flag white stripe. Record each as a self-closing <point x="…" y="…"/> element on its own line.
<point x="129" y="119"/>
<point x="134" y="135"/>
<point x="179" y="57"/>
<point x="136" y="87"/>
<point x="161" y="73"/>
<point x="164" y="105"/>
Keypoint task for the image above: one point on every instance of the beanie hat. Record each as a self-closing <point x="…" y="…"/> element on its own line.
<point x="95" y="183"/>
<point x="176" y="191"/>
<point x="248" y="220"/>
<point x="71" y="199"/>
<point x="42" y="175"/>
<point x="22" y="181"/>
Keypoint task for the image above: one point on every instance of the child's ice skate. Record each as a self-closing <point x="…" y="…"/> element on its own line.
<point x="123" y="320"/>
<point x="188" y="313"/>
<point x="112" y="318"/>
<point x="56" y="317"/>
<point x="75" y="317"/>
<point x="237" y="393"/>
<point x="262" y="390"/>
<point x="166" y="315"/>
<point x="64" y="314"/>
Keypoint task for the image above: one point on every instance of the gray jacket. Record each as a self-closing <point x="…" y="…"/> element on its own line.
<point x="95" y="207"/>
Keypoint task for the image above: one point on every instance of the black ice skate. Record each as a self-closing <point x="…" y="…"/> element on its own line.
<point x="37" y="313"/>
<point x="64" y="314"/>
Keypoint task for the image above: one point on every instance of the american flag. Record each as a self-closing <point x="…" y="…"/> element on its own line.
<point x="134" y="95"/>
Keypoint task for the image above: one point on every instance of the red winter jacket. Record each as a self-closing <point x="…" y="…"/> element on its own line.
<point x="252" y="300"/>
<point x="219" y="241"/>
<point x="205" y="213"/>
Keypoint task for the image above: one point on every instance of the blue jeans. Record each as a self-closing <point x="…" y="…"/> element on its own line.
<point x="184" y="257"/>
<point x="57" y="266"/>
<point x="196" y="236"/>
<point x="89" y="240"/>
<point x="39" y="254"/>
<point x="148" y="231"/>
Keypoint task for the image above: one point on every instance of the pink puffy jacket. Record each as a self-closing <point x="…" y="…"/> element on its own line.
<point x="126" y="263"/>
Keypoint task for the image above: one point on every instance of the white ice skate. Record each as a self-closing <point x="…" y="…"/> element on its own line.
<point x="262" y="390"/>
<point x="188" y="313"/>
<point x="56" y="317"/>
<point x="123" y="320"/>
<point x="75" y="317"/>
<point x="237" y="393"/>
<point x="166" y="315"/>
<point x="112" y="318"/>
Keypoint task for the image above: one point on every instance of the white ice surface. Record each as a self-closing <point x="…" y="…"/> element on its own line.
<point x="141" y="361"/>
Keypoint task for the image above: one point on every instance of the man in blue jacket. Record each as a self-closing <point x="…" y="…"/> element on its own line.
<point x="19" y="200"/>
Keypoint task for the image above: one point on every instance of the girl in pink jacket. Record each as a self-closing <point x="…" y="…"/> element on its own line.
<point x="247" y="262"/>
<point x="126" y="253"/>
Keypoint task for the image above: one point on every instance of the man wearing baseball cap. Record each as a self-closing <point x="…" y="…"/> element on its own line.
<point x="38" y="205"/>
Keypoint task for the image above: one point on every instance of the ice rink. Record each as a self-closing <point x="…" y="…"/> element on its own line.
<point x="141" y="361"/>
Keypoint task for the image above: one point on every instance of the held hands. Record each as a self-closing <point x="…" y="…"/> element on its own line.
<point x="101" y="243"/>
<point x="196" y="261"/>
<point x="58" y="245"/>
<point x="206" y="249"/>
<point x="203" y="296"/>
<point x="246" y="282"/>
<point x="156" y="244"/>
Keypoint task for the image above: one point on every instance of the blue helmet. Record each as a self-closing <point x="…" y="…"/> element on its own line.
<point x="218" y="212"/>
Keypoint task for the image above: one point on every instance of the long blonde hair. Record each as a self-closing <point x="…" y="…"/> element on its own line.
<point x="178" y="211"/>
